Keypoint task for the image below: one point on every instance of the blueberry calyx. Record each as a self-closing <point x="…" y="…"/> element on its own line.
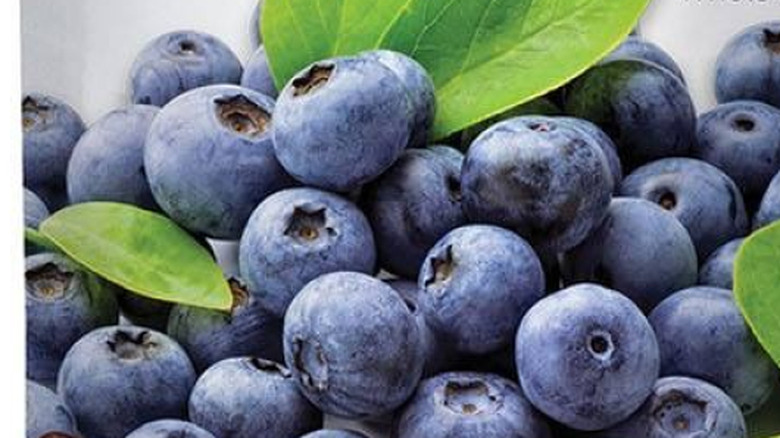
<point x="454" y="188"/>
<point x="188" y="48"/>
<point x="31" y="110"/>
<point x="307" y="225"/>
<point x="677" y="412"/>
<point x="314" y="78"/>
<point x="470" y="397"/>
<point x="267" y="366"/>
<point x="772" y="40"/>
<point x="600" y="345"/>
<point x="128" y="347"/>
<point x="667" y="200"/>
<point x="743" y="123"/>
<point x="242" y="116"/>
<point x="240" y="293"/>
<point x="310" y="361"/>
<point x="48" y="281"/>
<point x="542" y="127"/>
<point x="442" y="267"/>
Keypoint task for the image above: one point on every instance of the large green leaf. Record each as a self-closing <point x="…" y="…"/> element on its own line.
<point x="141" y="251"/>
<point x="766" y="422"/>
<point x="485" y="56"/>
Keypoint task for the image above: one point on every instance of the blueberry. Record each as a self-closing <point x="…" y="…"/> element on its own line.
<point x="703" y="198"/>
<point x="477" y="282"/>
<point x="587" y="357"/>
<point x="681" y="407"/>
<point x="334" y="433"/>
<point x="170" y="429"/>
<point x="143" y="311"/>
<point x="635" y="47"/>
<point x="640" y="250"/>
<point x="420" y="87"/>
<point x="539" y="176"/>
<point x="247" y="397"/>
<point x="180" y="61"/>
<point x="35" y="210"/>
<point x="107" y="163"/>
<point x="742" y="139"/>
<point x="768" y="211"/>
<point x="353" y="345"/>
<point x="748" y="67"/>
<point x="257" y="75"/>
<point x="255" y="24"/>
<point x="342" y="122"/>
<point x="47" y="413"/>
<point x="466" y="404"/>
<point x="718" y="269"/>
<point x="295" y="236"/>
<point x="540" y="106"/>
<point x="605" y="143"/>
<point x="695" y="326"/>
<point x="63" y="302"/>
<point x="115" y="379"/>
<point x="209" y="336"/>
<point x="209" y="159"/>
<point x="51" y="129"/>
<point x="413" y="205"/>
<point x="644" y="108"/>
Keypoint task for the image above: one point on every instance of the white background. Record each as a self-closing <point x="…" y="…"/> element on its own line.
<point x="81" y="51"/>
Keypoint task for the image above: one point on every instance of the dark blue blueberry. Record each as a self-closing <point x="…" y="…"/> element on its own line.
<point x="342" y="122"/>
<point x="209" y="336"/>
<point x="295" y="236"/>
<point x="768" y="211"/>
<point x="47" y="413"/>
<point x="63" y="302"/>
<point x="115" y="379"/>
<point x="170" y="429"/>
<point x="602" y="139"/>
<point x="108" y="161"/>
<point x="635" y="47"/>
<point x="143" y="311"/>
<point x="51" y="129"/>
<point x="247" y="397"/>
<point x="742" y="139"/>
<point x="748" y="67"/>
<point x="640" y="249"/>
<point x="180" y="61"/>
<point x="587" y="357"/>
<point x="718" y="269"/>
<point x="541" y="106"/>
<point x="703" y="198"/>
<point x="477" y="283"/>
<point x="681" y="407"/>
<point x="414" y="204"/>
<point x="353" y="345"/>
<point x="466" y="405"/>
<point x="209" y="158"/>
<point x="702" y="334"/>
<point x="334" y="433"/>
<point x="257" y="75"/>
<point x="539" y="176"/>
<point x="35" y="210"/>
<point x="644" y="108"/>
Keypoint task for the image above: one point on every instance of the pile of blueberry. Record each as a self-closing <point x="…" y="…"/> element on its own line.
<point x="524" y="289"/>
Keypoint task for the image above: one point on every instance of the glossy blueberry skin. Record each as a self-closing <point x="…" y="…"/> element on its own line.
<point x="46" y="412"/>
<point x="297" y="235"/>
<point x="209" y="336"/>
<point x="257" y="75"/>
<point x="35" y="211"/>
<point x="477" y="282"/>
<point x="63" y="302"/>
<point x="420" y="87"/>
<point x="177" y="62"/>
<point x="51" y="129"/>
<point x="718" y="269"/>
<point x="676" y="401"/>
<point x="468" y="404"/>
<point x="247" y="397"/>
<point x="353" y="345"/>
<point x="741" y="138"/>
<point x="342" y="122"/>
<point x="748" y="67"/>
<point x="635" y="47"/>
<point x="644" y="108"/>
<point x="640" y="249"/>
<point x="587" y="357"/>
<point x="701" y="323"/>
<point x="170" y="429"/>
<point x="209" y="159"/>
<point x="414" y="204"/>
<point x="604" y="142"/>
<point x="334" y="433"/>
<point x="539" y="176"/>
<point x="703" y="198"/>
<point x="768" y="211"/>
<point x="113" y="380"/>
<point x="107" y="163"/>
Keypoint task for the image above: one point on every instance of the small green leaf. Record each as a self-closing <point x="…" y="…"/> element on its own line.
<point x="38" y="240"/>
<point x="485" y="56"/>
<point x="141" y="251"/>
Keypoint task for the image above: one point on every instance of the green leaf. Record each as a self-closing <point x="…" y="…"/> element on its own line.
<point x="766" y="422"/>
<point x="485" y="56"/>
<point x="38" y="240"/>
<point x="141" y="251"/>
